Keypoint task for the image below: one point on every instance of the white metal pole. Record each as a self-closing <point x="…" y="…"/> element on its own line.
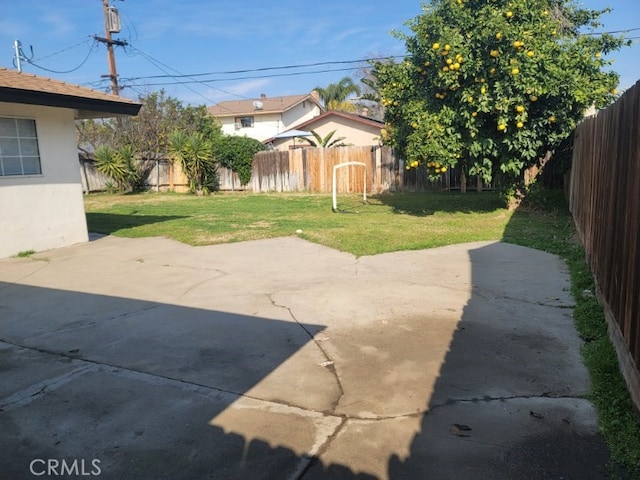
<point x="16" y="47"/>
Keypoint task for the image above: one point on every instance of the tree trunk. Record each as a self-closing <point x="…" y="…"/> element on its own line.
<point x="532" y="172"/>
<point x="463" y="182"/>
<point x="479" y="184"/>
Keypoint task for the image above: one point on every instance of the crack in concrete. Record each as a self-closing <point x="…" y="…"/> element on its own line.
<point x="21" y="279"/>
<point x="208" y="388"/>
<point x="202" y="282"/>
<point x="30" y="393"/>
<point x="314" y="457"/>
<point x="331" y="367"/>
<point x="490" y="298"/>
<point x="487" y="399"/>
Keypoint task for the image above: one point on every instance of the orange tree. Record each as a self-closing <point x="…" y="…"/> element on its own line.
<point x="491" y="86"/>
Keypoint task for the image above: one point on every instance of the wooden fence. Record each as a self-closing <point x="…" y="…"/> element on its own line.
<point x="304" y="169"/>
<point x="311" y="169"/>
<point x="605" y="203"/>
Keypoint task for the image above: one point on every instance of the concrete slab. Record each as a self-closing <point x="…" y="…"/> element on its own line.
<point x="285" y="359"/>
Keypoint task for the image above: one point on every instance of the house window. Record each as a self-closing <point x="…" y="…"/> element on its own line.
<point x="244" y="122"/>
<point x="19" y="153"/>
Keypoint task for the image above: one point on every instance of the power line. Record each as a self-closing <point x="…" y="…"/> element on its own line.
<point x="32" y="62"/>
<point x="83" y="42"/>
<point x="613" y="31"/>
<point x="155" y="62"/>
<point x="265" y="69"/>
<point x="274" y="75"/>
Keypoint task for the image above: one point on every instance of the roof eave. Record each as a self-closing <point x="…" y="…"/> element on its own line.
<point x="85" y="107"/>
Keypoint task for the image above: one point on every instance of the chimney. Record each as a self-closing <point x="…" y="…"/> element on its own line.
<point x="365" y="112"/>
<point x="316" y="95"/>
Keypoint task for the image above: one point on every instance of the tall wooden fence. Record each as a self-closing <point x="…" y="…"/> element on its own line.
<point x="605" y="203"/>
<point x="311" y="169"/>
<point x="305" y="169"/>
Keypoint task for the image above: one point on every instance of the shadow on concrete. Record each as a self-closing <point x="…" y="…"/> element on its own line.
<point x="144" y="387"/>
<point x="108" y="223"/>
<point x="138" y="386"/>
<point x="509" y="399"/>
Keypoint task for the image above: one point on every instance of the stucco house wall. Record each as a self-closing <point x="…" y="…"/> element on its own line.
<point x="41" y="212"/>
<point x="263" y="126"/>
<point x="41" y="206"/>
<point x="271" y="115"/>
<point x="358" y="131"/>
<point x="299" y="114"/>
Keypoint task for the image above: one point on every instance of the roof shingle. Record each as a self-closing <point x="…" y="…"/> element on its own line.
<point x="31" y="89"/>
<point x="269" y="105"/>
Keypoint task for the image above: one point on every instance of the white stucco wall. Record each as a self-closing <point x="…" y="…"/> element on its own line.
<point x="268" y="125"/>
<point x="41" y="212"/>
<point x="265" y="125"/>
<point x="299" y="114"/>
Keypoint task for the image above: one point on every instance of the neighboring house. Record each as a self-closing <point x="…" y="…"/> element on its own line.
<point x="266" y="117"/>
<point x="40" y="190"/>
<point x="357" y="130"/>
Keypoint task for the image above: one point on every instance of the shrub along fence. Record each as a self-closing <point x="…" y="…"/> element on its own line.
<point x="605" y="203"/>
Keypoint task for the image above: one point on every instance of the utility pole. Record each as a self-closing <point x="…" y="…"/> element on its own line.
<point x="110" y="21"/>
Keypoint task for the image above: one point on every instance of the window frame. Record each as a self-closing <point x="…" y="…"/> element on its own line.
<point x="22" y="140"/>
<point x="246" y="121"/>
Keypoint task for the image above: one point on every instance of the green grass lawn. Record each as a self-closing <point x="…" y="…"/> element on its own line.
<point x="389" y="223"/>
<point x="386" y="223"/>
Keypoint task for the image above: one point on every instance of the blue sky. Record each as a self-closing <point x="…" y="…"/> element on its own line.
<point x="197" y="36"/>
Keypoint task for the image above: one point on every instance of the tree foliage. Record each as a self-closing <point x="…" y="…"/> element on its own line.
<point x="148" y="132"/>
<point x="194" y="152"/>
<point x="334" y="96"/>
<point x="117" y="165"/>
<point x="492" y="85"/>
<point x="237" y="154"/>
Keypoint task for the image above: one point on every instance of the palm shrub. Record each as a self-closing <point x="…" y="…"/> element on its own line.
<point x="127" y="158"/>
<point x="327" y="141"/>
<point x="110" y="164"/>
<point x="195" y="155"/>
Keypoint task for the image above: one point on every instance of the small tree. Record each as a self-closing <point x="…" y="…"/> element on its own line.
<point x="491" y="86"/>
<point x="236" y="153"/>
